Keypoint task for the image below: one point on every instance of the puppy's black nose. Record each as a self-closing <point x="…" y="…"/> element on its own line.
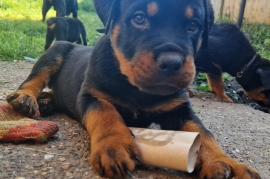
<point x="169" y="63"/>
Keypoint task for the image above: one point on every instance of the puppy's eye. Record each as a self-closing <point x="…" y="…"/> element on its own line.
<point x="193" y="26"/>
<point x="139" y="19"/>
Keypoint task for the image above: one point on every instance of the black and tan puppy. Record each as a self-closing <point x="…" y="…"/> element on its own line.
<point x="136" y="74"/>
<point x="230" y="51"/>
<point x="62" y="7"/>
<point x="65" y="29"/>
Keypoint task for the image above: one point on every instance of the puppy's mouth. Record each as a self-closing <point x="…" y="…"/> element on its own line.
<point x="163" y="71"/>
<point x="162" y="90"/>
<point x="164" y="76"/>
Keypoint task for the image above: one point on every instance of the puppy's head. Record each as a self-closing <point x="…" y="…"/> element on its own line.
<point x="258" y="81"/>
<point x="155" y="41"/>
<point x="262" y="95"/>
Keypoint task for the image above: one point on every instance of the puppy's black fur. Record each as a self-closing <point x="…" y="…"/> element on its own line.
<point x="230" y="51"/>
<point x="62" y="7"/>
<point x="65" y="29"/>
<point x="136" y="74"/>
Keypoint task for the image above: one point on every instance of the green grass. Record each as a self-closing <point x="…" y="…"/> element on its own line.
<point x="22" y="33"/>
<point x="259" y="37"/>
<point x="258" y="34"/>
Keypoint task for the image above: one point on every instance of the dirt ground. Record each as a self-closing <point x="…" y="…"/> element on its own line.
<point x="242" y="132"/>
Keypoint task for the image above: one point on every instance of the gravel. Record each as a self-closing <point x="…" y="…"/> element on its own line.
<point x="242" y="132"/>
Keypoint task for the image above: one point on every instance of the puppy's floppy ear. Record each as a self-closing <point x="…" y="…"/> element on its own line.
<point x="208" y="21"/>
<point x="265" y="77"/>
<point x="113" y="14"/>
<point x="103" y="8"/>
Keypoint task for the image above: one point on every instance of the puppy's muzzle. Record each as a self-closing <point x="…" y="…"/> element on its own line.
<point x="169" y="59"/>
<point x="169" y="64"/>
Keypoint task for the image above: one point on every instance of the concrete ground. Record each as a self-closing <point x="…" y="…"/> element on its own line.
<point x="242" y="132"/>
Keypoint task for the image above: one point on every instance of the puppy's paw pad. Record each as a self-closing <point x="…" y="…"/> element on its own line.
<point x="23" y="103"/>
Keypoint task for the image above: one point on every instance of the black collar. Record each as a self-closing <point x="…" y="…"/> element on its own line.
<point x="245" y="68"/>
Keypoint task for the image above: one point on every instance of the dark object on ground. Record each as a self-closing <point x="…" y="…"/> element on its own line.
<point x="134" y="76"/>
<point x="62" y="8"/>
<point x="230" y="51"/>
<point x="65" y="29"/>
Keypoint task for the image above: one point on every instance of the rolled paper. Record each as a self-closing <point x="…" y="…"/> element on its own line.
<point x="176" y="150"/>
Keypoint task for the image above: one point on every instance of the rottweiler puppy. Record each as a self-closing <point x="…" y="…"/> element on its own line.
<point x="62" y="8"/>
<point x="135" y="75"/>
<point x="230" y="51"/>
<point x="65" y="29"/>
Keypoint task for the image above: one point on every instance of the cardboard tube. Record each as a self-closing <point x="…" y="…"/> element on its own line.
<point x="168" y="149"/>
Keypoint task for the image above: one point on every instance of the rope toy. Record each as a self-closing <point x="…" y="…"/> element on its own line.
<point x="15" y="127"/>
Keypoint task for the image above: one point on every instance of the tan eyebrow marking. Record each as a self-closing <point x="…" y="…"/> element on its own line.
<point x="152" y="8"/>
<point x="189" y="12"/>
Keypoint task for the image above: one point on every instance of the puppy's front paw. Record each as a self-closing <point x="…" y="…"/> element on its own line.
<point x="23" y="103"/>
<point x="114" y="155"/>
<point x="226" y="168"/>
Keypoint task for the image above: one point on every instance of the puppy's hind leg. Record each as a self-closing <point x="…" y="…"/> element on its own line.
<point x="83" y="33"/>
<point x="46" y="103"/>
<point x="75" y="10"/>
<point x="79" y="41"/>
<point x="75" y="14"/>
<point x="24" y="99"/>
<point x="49" y="38"/>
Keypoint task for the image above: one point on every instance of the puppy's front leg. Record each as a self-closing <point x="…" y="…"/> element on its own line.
<point x="24" y="99"/>
<point x="214" y="163"/>
<point x="113" y="150"/>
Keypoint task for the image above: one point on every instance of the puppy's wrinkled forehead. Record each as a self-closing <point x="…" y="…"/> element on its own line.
<point x="164" y="9"/>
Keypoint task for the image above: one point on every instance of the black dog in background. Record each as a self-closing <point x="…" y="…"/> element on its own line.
<point x="62" y="7"/>
<point x="230" y="51"/>
<point x="66" y="29"/>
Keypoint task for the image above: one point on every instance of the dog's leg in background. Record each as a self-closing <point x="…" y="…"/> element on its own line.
<point x="45" y="7"/>
<point x="75" y="14"/>
<point x="113" y="149"/>
<point x="24" y="99"/>
<point x="217" y="86"/>
<point x="60" y="7"/>
<point x="83" y="33"/>
<point x="79" y="41"/>
<point x="75" y="10"/>
<point x="49" y="38"/>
